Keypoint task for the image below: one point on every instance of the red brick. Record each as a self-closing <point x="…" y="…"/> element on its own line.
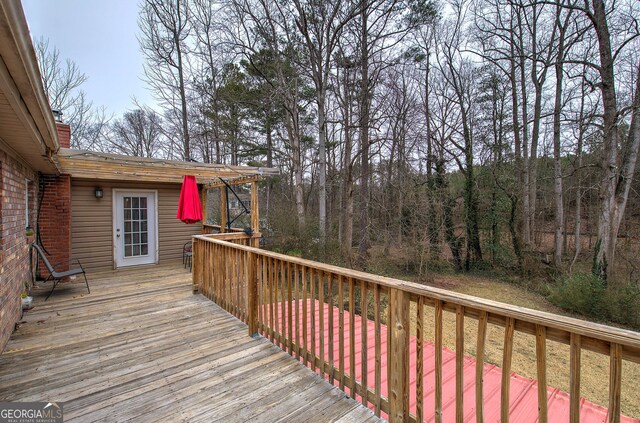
<point x="64" y="134"/>
<point x="14" y="250"/>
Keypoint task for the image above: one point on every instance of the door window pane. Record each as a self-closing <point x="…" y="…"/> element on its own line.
<point x="135" y="227"/>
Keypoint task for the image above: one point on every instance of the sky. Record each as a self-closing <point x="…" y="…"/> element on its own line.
<point x="100" y="36"/>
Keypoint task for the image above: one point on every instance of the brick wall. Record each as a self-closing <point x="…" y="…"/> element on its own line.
<point x="55" y="221"/>
<point x="14" y="250"/>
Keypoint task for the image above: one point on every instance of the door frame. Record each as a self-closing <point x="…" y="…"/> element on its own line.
<point x="114" y="223"/>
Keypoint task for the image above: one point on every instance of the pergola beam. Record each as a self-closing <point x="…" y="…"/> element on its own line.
<point x="234" y="181"/>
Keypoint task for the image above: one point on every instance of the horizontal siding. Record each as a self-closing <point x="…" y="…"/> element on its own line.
<point x="91" y="222"/>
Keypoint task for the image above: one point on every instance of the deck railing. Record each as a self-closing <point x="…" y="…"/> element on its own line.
<point x="277" y="296"/>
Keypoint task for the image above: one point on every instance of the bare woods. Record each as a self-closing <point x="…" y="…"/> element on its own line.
<point x="483" y="132"/>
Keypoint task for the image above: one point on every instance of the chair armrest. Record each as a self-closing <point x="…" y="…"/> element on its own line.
<point x="71" y="261"/>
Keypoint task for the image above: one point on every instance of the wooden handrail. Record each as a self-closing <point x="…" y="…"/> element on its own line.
<point x="277" y="296"/>
<point x="629" y="339"/>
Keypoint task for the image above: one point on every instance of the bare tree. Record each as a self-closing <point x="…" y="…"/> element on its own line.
<point x="561" y="26"/>
<point x="458" y="73"/>
<point x="617" y="172"/>
<point x="138" y="133"/>
<point x="321" y="24"/>
<point x="62" y="80"/>
<point x="165" y="27"/>
<point x="263" y="33"/>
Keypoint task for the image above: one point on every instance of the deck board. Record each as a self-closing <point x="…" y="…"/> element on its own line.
<point x="142" y="347"/>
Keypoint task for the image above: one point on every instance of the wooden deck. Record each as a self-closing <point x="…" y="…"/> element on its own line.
<point x="142" y="347"/>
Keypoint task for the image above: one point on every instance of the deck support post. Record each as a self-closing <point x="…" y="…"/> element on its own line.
<point x="252" y="292"/>
<point x="203" y="205"/>
<point x="398" y="369"/>
<point x="223" y="210"/>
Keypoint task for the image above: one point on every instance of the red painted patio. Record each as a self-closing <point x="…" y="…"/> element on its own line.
<point x="523" y="391"/>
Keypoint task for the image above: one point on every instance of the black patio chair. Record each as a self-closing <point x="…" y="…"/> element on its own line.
<point x="56" y="277"/>
<point x="187" y="254"/>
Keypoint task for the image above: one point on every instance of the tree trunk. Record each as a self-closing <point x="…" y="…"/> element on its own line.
<point x="526" y="173"/>
<point x="578" y="222"/>
<point x="516" y="222"/>
<point x="432" y="214"/>
<point x="183" y="99"/>
<point x="347" y="188"/>
<point x="363" y="247"/>
<point x="322" y="165"/>
<point x="609" y="163"/>
<point x="557" y="159"/>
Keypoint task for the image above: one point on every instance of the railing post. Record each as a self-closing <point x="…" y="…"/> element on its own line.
<point x="398" y="377"/>
<point x="252" y="292"/>
<point x="196" y="276"/>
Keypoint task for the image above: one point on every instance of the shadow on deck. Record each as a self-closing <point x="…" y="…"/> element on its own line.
<point x="142" y="346"/>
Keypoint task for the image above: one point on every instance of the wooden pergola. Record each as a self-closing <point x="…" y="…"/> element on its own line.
<point x="225" y="226"/>
<point x="106" y="166"/>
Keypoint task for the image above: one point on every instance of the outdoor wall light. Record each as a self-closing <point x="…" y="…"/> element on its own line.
<point x="99" y="193"/>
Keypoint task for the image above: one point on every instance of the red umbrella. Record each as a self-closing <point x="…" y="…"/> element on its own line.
<point x="189" y="207"/>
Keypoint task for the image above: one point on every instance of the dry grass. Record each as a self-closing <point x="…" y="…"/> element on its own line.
<point x="595" y="367"/>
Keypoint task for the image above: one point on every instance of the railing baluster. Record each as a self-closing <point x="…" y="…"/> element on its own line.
<point x="244" y="290"/>
<point x="290" y="308"/>
<point x="276" y="302"/>
<point x="214" y="272"/>
<point x="330" y="312"/>
<point x="232" y="282"/>
<point x="420" y="360"/>
<point x="312" y="281"/>
<point x="482" y="337"/>
<point x="574" y="377"/>
<point x="296" y="280"/>
<point x="283" y="308"/>
<point x="223" y="276"/>
<point x="341" y="330"/>
<point x="229" y="282"/>
<point x="252" y="294"/>
<point x="321" y="337"/>
<point x="238" y="284"/>
<point x="459" y="364"/>
<point x="363" y="331"/>
<point x="507" y="351"/>
<point x="352" y="339"/>
<point x="378" y="381"/>
<point x="273" y="305"/>
<point x="541" y="370"/>
<point x="615" y="382"/>
<point x="438" y="359"/>
<point x="259" y="264"/>
<point x="304" y="314"/>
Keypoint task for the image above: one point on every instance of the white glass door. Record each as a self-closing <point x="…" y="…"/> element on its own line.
<point x="135" y="228"/>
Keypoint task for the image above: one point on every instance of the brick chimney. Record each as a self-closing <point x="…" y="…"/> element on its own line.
<point x="64" y="134"/>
